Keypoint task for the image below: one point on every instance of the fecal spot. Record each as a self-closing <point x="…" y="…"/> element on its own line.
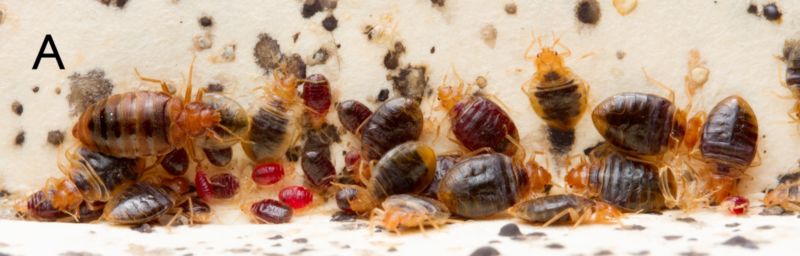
<point x="489" y="35"/>
<point x="87" y="89"/>
<point x="411" y="82"/>
<point x="588" y="11"/>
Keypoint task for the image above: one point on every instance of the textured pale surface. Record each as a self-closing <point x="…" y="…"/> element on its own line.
<point x="156" y="37"/>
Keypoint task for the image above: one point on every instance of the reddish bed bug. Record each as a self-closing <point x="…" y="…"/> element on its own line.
<point x="555" y="209"/>
<point x="318" y="169"/>
<point x="224" y="185"/>
<point x="556" y="94"/>
<point x="274" y="123"/>
<point x="397" y="121"/>
<point x="317" y="97"/>
<point x="352" y="114"/>
<point x="146" y="123"/>
<point x="296" y="196"/>
<point x="478" y="122"/>
<point x="270" y="211"/>
<point x="203" y="186"/>
<point x="410" y="211"/>
<point x="176" y="162"/>
<point x="268" y="173"/>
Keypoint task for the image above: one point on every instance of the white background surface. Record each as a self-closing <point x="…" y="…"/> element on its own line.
<point x="156" y="37"/>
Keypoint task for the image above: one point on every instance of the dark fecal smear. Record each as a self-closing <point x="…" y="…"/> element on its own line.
<point x="687" y="220"/>
<point x="433" y="49"/>
<point x="509" y="229"/>
<point x="732" y="225"/>
<point x="17" y="108"/>
<point x="300" y="240"/>
<point x="742" y="242"/>
<point x="143" y="228"/>
<point x="35" y="89"/>
<point x="206" y="21"/>
<point x="555" y="246"/>
<point x="267" y="52"/>
<point x="693" y="253"/>
<point x="771" y="12"/>
<point x="752" y="9"/>
<point x="58" y="90"/>
<point x="765" y="227"/>
<point x="511" y="8"/>
<point x="117" y="3"/>
<point x="391" y="60"/>
<point x="310" y="8"/>
<point x="588" y="11"/>
<point x="620" y="55"/>
<point x="485" y="251"/>
<point x="55" y="138"/>
<point x="87" y="89"/>
<point x="603" y="253"/>
<point x="276" y="245"/>
<point x="343" y="216"/>
<point x="537" y="234"/>
<point x="20" y="138"/>
<point x="439" y="3"/>
<point x="330" y="23"/>
<point x="634" y="227"/>
<point x="672" y="237"/>
<point x="383" y="95"/>
<point x="411" y="82"/>
<point x="560" y="140"/>
<point x="275" y="237"/>
<point x="71" y="253"/>
<point x="215" y="87"/>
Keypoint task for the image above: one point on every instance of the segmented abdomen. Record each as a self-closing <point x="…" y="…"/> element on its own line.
<point x="397" y="121"/>
<point x="630" y="185"/>
<point x="542" y="209"/>
<point x="635" y="122"/>
<point x="730" y="135"/>
<point x="131" y="125"/>
<point x="271" y="132"/>
<point x="560" y="106"/>
<point x="479" y="122"/>
<point x="139" y="203"/>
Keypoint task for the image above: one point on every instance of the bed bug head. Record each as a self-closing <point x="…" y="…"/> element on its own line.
<point x="603" y="212"/>
<point x="578" y="177"/>
<point x="198" y="118"/>
<point x="449" y="95"/>
<point x="284" y="85"/>
<point x="549" y="62"/>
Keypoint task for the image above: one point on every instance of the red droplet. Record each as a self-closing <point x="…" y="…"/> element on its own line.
<point x="268" y="173"/>
<point x="317" y="94"/>
<point x="296" y="196"/>
<point x="737" y="205"/>
<point x="202" y="185"/>
<point x="224" y="185"/>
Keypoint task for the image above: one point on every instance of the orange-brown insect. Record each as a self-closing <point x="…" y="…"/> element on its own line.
<point x="146" y="123"/>
<point x="410" y="211"/>
<point x="786" y="195"/>
<point x="565" y="208"/>
<point x="274" y="123"/>
<point x="556" y="94"/>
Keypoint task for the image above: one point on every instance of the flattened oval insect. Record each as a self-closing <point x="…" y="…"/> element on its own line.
<point x="39" y="206"/>
<point x="786" y="195"/>
<point x="270" y="211"/>
<point x="443" y="164"/>
<point x="234" y="123"/>
<point x="556" y="94"/>
<point x="396" y="121"/>
<point x="791" y="56"/>
<point x="410" y="211"/>
<point x="317" y="97"/>
<point x="274" y="123"/>
<point x="565" y="208"/>
<point x="614" y="178"/>
<point x="352" y="114"/>
<point x="318" y="168"/>
<point x="145" y="123"/>
<point x="407" y="168"/>
<point x="139" y="203"/>
<point x="478" y="122"/>
<point x="729" y="144"/>
<point x="483" y="185"/>
<point x="97" y="176"/>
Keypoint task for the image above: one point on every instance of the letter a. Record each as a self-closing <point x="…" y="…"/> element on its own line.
<point x="48" y="40"/>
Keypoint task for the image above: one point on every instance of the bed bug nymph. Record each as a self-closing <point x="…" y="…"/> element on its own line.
<point x="274" y="121"/>
<point x="410" y="211"/>
<point x="565" y="208"/>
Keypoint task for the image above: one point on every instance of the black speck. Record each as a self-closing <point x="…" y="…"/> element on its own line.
<point x="634" y="227"/>
<point x="433" y="49"/>
<point x="20" y="139"/>
<point x="693" y="239"/>
<point x="87" y="89"/>
<point x="555" y="246"/>
<point x="16" y="107"/>
<point x="144" y="228"/>
<point x="330" y="23"/>
<point x="672" y="237"/>
<point x="509" y="229"/>
<point x="310" y="8"/>
<point x="383" y="95"/>
<point x="735" y="230"/>
<point x="275" y="237"/>
<point x="206" y="21"/>
<point x="391" y="249"/>
<point x="765" y="227"/>
<point x="687" y="220"/>
<point x="741" y="241"/>
<point x="603" y="253"/>
<point x="342" y="216"/>
<point x="752" y="9"/>
<point x="411" y="82"/>
<point x="338" y="46"/>
<point x="732" y="225"/>
<point x="693" y="253"/>
<point x="620" y="55"/>
<point x="35" y="89"/>
<point x="511" y="8"/>
<point x="293" y="154"/>
<point x="588" y="11"/>
<point x="347" y="246"/>
<point x="537" y="234"/>
<point x="771" y="12"/>
<point x="485" y="251"/>
<point x="55" y="138"/>
<point x="215" y="87"/>
<point x="300" y="240"/>
<point x="439" y="3"/>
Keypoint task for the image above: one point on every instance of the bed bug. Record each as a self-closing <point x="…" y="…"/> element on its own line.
<point x="219" y="157"/>
<point x="352" y="114"/>
<point x="234" y="123"/>
<point x="476" y="121"/>
<point x="626" y="183"/>
<point x="483" y="185"/>
<point x="317" y="97"/>
<point x="224" y="185"/>
<point x="296" y="196"/>
<point x="318" y="168"/>
<point x="791" y="78"/>
<point x="443" y="164"/>
<point x="270" y="211"/>
<point x="268" y="173"/>
<point x="197" y="210"/>
<point x="176" y="163"/>
<point x="564" y="208"/>
<point x="397" y="121"/>
<point x="728" y="144"/>
<point x="556" y="94"/>
<point x="410" y="211"/>
<point x="140" y="203"/>
<point x="274" y="124"/>
<point x="786" y="195"/>
<point x="146" y="123"/>
<point x="39" y="206"/>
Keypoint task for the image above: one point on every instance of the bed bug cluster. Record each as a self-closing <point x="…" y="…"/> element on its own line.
<point x="156" y="157"/>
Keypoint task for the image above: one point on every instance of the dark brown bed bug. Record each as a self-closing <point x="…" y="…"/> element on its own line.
<point x="565" y="208"/>
<point x="318" y="168"/>
<point x="410" y="211"/>
<point x="786" y="195"/>
<point x="274" y="123"/>
<point x="556" y="94"/>
<point x="140" y="203"/>
<point x="352" y="114"/>
<point x="145" y="123"/>
<point x="270" y="211"/>
<point x="234" y="123"/>
<point x="219" y="157"/>
<point x="98" y="176"/>
<point x="483" y="185"/>
<point x="478" y="122"/>
<point x="729" y="144"/>
<point x="618" y="180"/>
<point x="396" y="121"/>
<point x="443" y="164"/>
<point x="791" y="56"/>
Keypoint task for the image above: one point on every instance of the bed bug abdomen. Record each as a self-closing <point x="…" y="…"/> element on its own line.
<point x="407" y="168"/>
<point x="543" y="209"/>
<point x="397" y="121"/>
<point x="636" y="123"/>
<point x="625" y="183"/>
<point x="271" y="134"/>
<point x="730" y="136"/>
<point x="139" y="203"/>
<point x="97" y="175"/>
<point x="479" y="122"/>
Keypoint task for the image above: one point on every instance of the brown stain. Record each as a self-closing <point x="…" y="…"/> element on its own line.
<point x="588" y="12"/>
<point x="269" y="57"/>
<point x="206" y="21"/>
<point x="489" y="35"/>
<point x="55" y="137"/>
<point x="17" y="108"/>
<point x="118" y="3"/>
<point x="411" y="82"/>
<point x="485" y="251"/>
<point x="509" y="229"/>
<point x="511" y="8"/>
<point x="330" y="23"/>
<point x="20" y="138"/>
<point x="35" y="89"/>
<point x="87" y="89"/>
